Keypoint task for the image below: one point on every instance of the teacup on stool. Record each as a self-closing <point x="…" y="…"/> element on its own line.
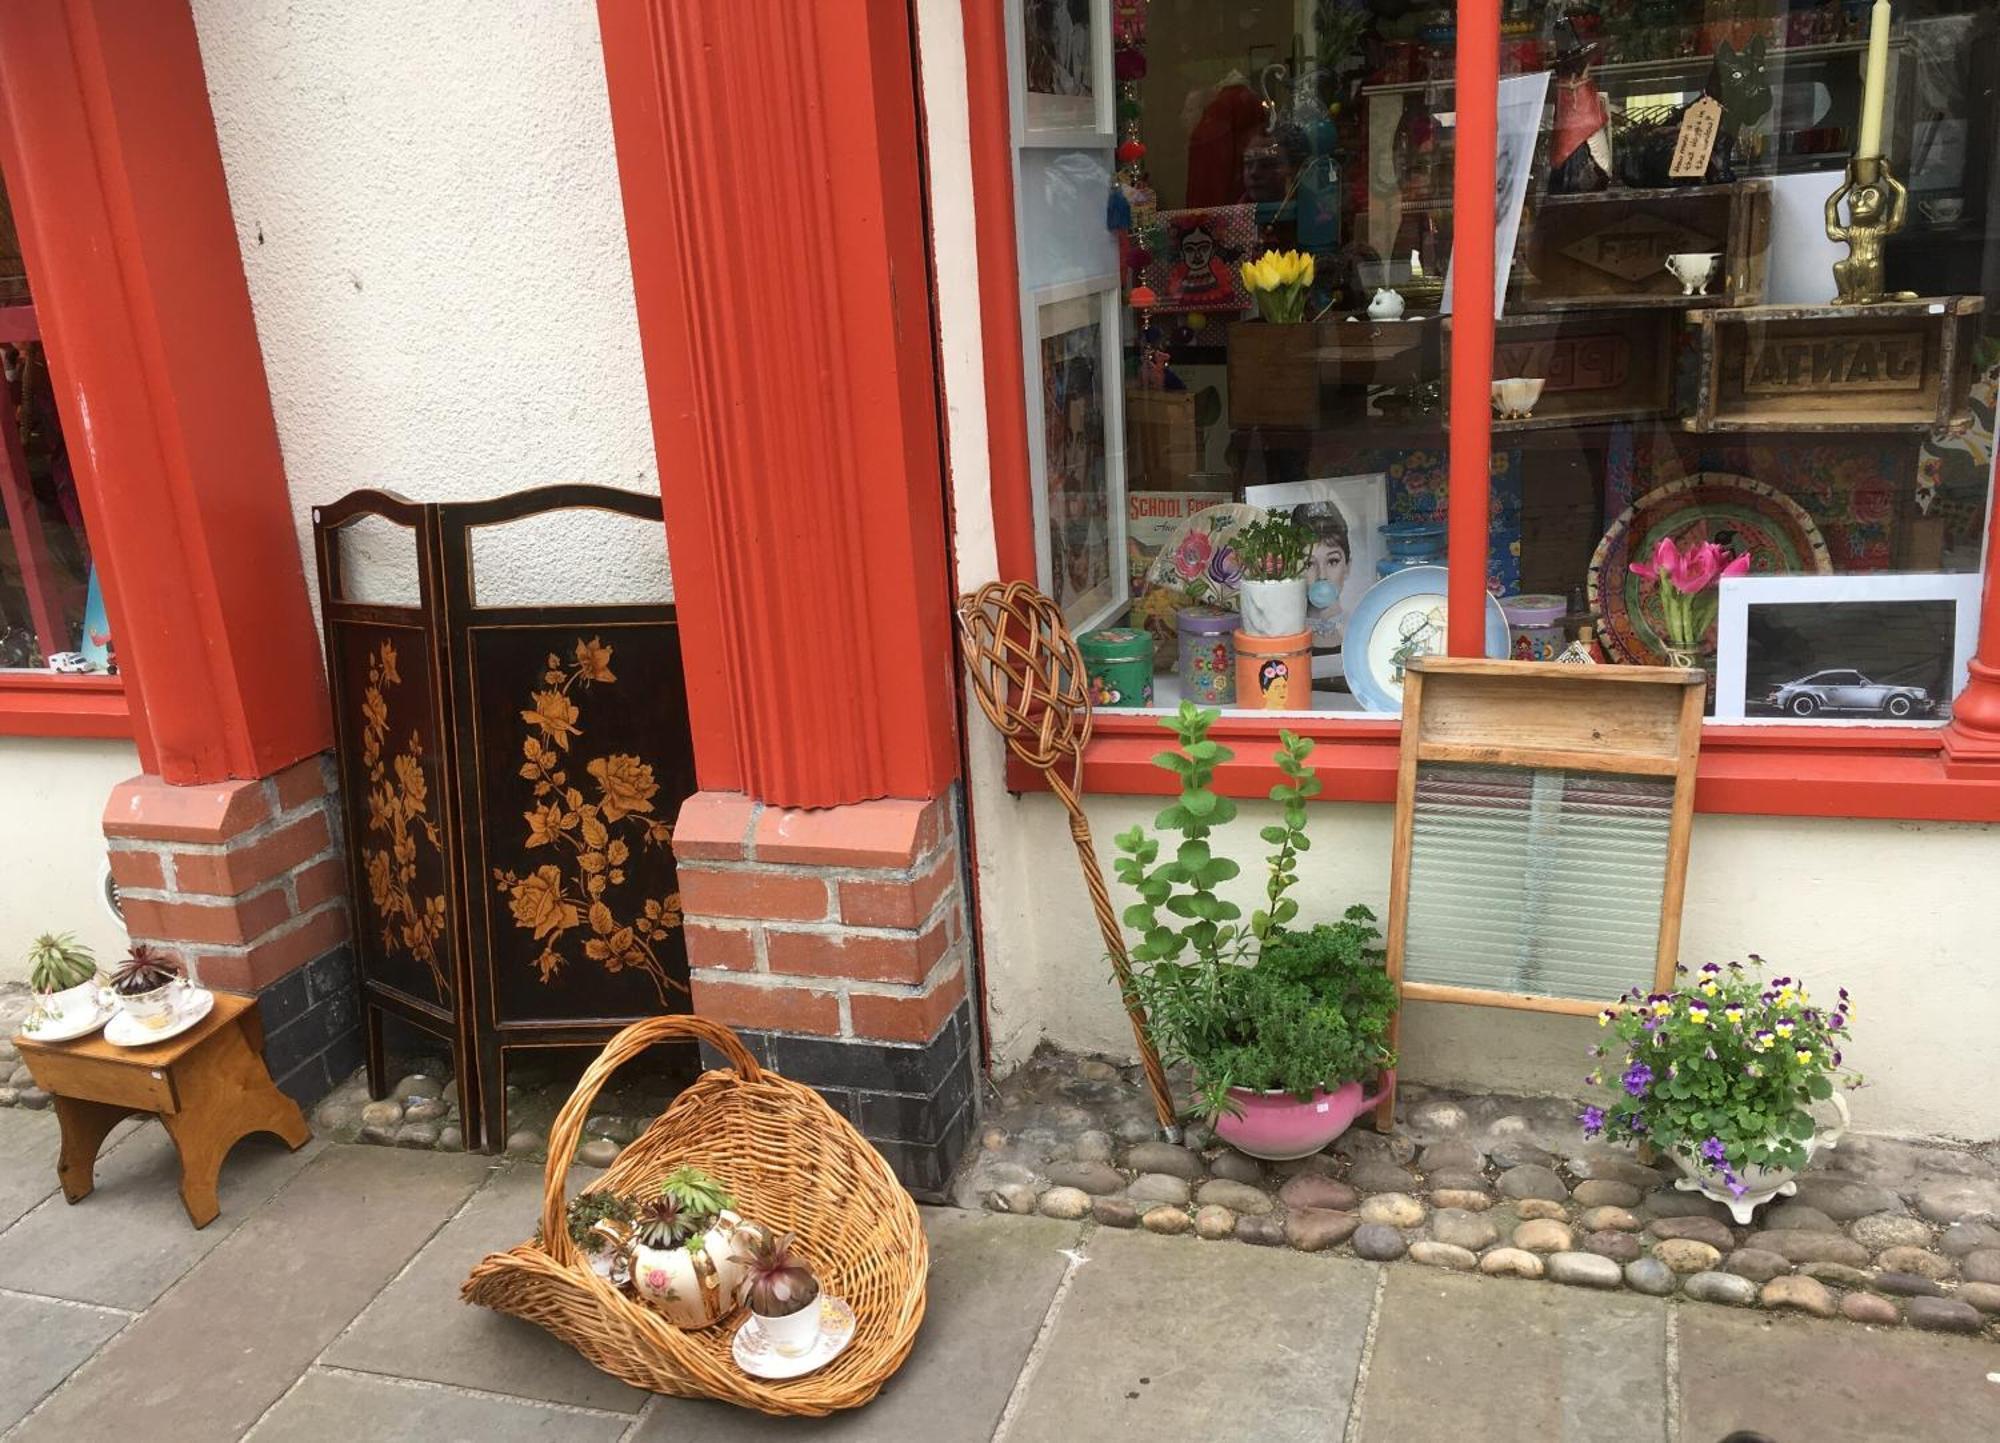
<point x="1694" y="270"/>
<point x="1515" y="398"/>
<point x="155" y="1010"/>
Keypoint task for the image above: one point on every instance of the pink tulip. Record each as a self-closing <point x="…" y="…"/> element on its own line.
<point x="1699" y="566"/>
<point x="1739" y="567"/>
<point x="1666" y="559"/>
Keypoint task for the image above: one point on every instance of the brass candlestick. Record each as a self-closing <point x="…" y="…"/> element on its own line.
<point x="1877" y="205"/>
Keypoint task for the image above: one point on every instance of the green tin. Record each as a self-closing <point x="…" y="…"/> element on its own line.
<point x="1119" y="660"/>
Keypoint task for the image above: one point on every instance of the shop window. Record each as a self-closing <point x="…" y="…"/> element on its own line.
<point x="52" y="614"/>
<point x="1691" y="347"/>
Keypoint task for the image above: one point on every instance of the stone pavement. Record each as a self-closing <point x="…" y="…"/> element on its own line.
<point x="323" y="1304"/>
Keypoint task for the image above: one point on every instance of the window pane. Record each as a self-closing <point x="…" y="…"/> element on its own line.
<point x="1677" y="366"/>
<point x="51" y="607"/>
<point x="1313" y="143"/>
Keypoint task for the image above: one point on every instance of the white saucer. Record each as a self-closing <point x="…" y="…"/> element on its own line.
<point x="756" y="1356"/>
<point x="123" y="1031"/>
<point x="40" y="1029"/>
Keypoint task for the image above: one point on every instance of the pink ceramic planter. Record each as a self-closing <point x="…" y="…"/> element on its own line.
<point x="1276" y="1126"/>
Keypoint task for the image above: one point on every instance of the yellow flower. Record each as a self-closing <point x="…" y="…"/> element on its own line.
<point x="1708" y="989"/>
<point x="1661" y="1009"/>
<point x="1248" y="270"/>
<point x="1803" y="1055"/>
<point x="1734" y="1014"/>
<point x="1784" y="1029"/>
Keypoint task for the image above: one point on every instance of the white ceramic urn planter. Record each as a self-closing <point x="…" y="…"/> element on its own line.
<point x="693" y="1286"/>
<point x="1760" y="1184"/>
<point x="1273" y="608"/>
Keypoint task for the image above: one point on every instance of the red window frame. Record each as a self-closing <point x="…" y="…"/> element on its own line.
<point x="1949" y="774"/>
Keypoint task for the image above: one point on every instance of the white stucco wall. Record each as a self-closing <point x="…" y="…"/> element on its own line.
<point x="1899" y="913"/>
<point x="427" y="200"/>
<point x="56" y="789"/>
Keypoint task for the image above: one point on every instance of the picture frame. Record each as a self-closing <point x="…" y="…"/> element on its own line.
<point x="1076" y="445"/>
<point x="1879" y="649"/>
<point x="1359" y="508"/>
<point x="1059" y="55"/>
<point x="1519" y="122"/>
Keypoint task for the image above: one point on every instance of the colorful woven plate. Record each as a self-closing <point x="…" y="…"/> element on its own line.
<point x="1744" y="514"/>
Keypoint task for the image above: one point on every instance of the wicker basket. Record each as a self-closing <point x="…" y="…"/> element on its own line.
<point x="794" y="1164"/>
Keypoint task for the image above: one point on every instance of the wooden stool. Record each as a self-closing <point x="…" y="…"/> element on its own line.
<point x="209" y="1087"/>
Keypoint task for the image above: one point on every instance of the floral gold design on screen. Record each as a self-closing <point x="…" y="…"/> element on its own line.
<point x="398" y="814"/>
<point x="589" y="840"/>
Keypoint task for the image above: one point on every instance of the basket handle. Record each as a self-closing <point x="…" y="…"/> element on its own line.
<point x="567" y="1130"/>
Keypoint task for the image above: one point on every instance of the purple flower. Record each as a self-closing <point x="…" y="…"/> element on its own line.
<point x="1592" y="1119"/>
<point x="1839" y="1020"/>
<point x="1225" y="568"/>
<point x="1635" y="1123"/>
<point x="1714" y="1151"/>
<point x="1710" y="968"/>
<point x="1638" y="1077"/>
<point x="1735" y="1184"/>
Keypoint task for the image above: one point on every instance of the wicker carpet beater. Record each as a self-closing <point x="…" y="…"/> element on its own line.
<point x="1029" y="678"/>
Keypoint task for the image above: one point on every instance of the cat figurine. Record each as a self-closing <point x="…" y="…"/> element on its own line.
<point x="1741" y="83"/>
<point x="1580" y="145"/>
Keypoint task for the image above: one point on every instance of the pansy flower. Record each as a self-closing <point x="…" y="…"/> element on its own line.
<point x="1784" y="1029"/>
<point x="1638" y="1077"/>
<point x="1804" y="1055"/>
<point x="1592" y="1119"/>
<point x="1734" y="1012"/>
<point x="1763" y="1039"/>
<point x="1710" y="968"/>
<point x="1698" y="1011"/>
<point x="1714" y="1151"/>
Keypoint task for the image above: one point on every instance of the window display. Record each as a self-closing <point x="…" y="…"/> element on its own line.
<point x="1743" y="250"/>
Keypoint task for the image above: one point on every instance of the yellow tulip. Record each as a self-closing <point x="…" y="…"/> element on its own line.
<point x="1248" y="270"/>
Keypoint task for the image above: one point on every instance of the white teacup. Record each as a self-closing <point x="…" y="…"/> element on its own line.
<point x="156" y="1010"/>
<point x="71" y="1005"/>
<point x="793" y="1335"/>
<point x="1694" y="270"/>
<point x="1515" y="398"/>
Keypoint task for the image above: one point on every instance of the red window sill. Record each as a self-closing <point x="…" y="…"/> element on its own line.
<point x="1780" y="771"/>
<point x="50" y="704"/>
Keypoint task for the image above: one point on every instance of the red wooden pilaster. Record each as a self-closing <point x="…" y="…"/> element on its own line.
<point x="1472" y="266"/>
<point x="110" y="156"/>
<point x="779" y="265"/>
<point x="1972" y="739"/>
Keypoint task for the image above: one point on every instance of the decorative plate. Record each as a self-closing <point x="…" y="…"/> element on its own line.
<point x="755" y="1355"/>
<point x="1400" y="618"/>
<point x="1746" y="515"/>
<point x="47" y="1029"/>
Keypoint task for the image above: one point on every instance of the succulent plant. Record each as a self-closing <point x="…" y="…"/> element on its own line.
<point x="58" y="962"/>
<point x="663" y="1223"/>
<point x="778" y="1281"/>
<point x="146" y="970"/>
<point x="699" y="1194"/>
<point x="589" y="1209"/>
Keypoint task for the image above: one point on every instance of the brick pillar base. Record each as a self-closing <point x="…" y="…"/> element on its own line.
<point x="835" y="943"/>
<point x="245" y="882"/>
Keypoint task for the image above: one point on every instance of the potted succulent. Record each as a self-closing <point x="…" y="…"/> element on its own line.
<point x="1282" y="1027"/>
<point x="602" y="1225"/>
<point x="683" y="1251"/>
<point x="62" y="973"/>
<point x="148" y="985"/>
<point x="1273" y="553"/>
<point x="1721" y="1075"/>
<point x="782" y="1292"/>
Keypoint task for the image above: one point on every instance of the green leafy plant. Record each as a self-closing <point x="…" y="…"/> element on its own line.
<point x="587" y="1210"/>
<point x="1273" y="548"/>
<point x="778" y="1282"/>
<point x="697" y="1192"/>
<point x="1254" y="1006"/>
<point x="58" y="962"/>
<point x="1724" y="1068"/>
<point x="688" y="1204"/>
<point x="146" y="970"/>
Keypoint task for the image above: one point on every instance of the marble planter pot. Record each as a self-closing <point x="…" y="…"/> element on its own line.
<point x="1273" y="608"/>
<point x="1760" y="1184"/>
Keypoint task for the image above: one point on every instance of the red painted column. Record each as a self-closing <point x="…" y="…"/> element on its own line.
<point x="111" y="160"/>
<point x="1972" y="739"/>
<point x="1472" y="264"/>
<point x="779" y="263"/>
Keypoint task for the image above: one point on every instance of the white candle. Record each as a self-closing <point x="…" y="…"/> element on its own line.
<point x="1876" y="87"/>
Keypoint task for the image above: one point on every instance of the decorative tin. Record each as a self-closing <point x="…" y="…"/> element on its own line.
<point x="1537" y="625"/>
<point x="1410" y="543"/>
<point x="1119" y="660"/>
<point x="1274" y="673"/>
<point x="1207" y="655"/>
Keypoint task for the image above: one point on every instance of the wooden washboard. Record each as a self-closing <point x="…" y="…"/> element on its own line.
<point x="1542" y="821"/>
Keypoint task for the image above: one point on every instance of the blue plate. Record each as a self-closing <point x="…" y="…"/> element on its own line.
<point x="1401" y="617"/>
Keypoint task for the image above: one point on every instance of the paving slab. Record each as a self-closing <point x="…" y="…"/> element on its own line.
<point x="45" y="1342"/>
<point x="1172" y="1338"/>
<point x="226" y="1342"/>
<point x="418" y="1328"/>
<point x="1795" y="1378"/>
<point x="28" y="1144"/>
<point x="339" y="1407"/>
<point x="1500" y="1360"/>
<point x="991" y="1281"/>
<point x="130" y="1239"/>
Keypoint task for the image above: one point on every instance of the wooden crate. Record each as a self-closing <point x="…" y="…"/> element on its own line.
<point x="1599" y="365"/>
<point x="1898" y="366"/>
<point x="1165" y="443"/>
<point x="1611" y="248"/>
<point x="1315" y="374"/>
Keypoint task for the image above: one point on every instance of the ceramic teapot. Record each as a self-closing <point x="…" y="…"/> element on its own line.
<point x="1387" y="306"/>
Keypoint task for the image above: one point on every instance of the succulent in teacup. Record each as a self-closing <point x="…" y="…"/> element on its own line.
<point x="699" y="1194"/>
<point x="779" y="1282"/>
<point x="662" y="1222"/>
<point x="58" y="962"/>
<point x="146" y="970"/>
<point x="588" y="1210"/>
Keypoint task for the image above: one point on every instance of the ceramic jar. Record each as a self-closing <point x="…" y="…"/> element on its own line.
<point x="1273" y="608"/>
<point x="1274" y="673"/>
<point x="1410" y="543"/>
<point x="1207" y="658"/>
<point x="693" y="1287"/>
<point x="1119" y="661"/>
<point x="1760" y="1184"/>
<point x="1537" y="626"/>
<point x="1277" y="1126"/>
